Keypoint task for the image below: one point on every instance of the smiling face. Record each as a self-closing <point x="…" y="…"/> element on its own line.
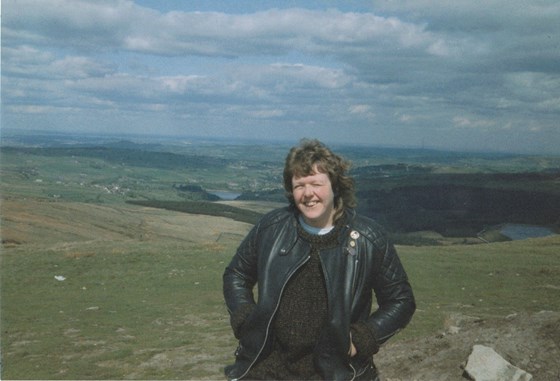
<point x="314" y="197"/>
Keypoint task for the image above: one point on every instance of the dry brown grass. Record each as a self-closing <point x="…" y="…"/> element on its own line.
<point x="36" y="221"/>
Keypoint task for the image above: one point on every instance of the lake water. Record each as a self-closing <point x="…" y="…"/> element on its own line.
<point x="225" y="195"/>
<point x="517" y="231"/>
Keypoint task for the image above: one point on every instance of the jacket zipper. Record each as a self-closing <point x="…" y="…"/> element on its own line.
<point x="272" y="318"/>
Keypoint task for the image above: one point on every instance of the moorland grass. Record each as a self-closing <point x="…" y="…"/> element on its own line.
<point x="154" y="310"/>
<point x="119" y="305"/>
<point x="485" y="280"/>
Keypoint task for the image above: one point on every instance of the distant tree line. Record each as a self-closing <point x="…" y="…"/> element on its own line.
<point x="194" y="191"/>
<point x="204" y="208"/>
<point x="453" y="210"/>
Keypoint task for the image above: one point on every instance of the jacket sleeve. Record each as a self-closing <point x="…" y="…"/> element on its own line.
<point x="239" y="279"/>
<point x="394" y="295"/>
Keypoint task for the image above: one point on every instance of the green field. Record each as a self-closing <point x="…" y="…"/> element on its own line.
<point x="154" y="310"/>
<point x="125" y="310"/>
<point x="93" y="287"/>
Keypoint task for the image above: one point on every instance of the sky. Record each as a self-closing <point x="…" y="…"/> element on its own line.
<point x="464" y="75"/>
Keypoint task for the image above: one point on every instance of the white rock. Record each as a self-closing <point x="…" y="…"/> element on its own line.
<point x="484" y="364"/>
<point x="453" y="330"/>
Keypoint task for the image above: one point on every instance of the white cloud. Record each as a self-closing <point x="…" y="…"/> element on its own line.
<point x="270" y="113"/>
<point x="549" y="105"/>
<point x="472" y="123"/>
<point x="361" y="110"/>
<point x="181" y="84"/>
<point x="406" y="118"/>
<point x="105" y="25"/>
<point x="305" y="75"/>
<point x="78" y="67"/>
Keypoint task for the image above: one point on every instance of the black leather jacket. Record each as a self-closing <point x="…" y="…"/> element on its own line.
<point x="363" y="262"/>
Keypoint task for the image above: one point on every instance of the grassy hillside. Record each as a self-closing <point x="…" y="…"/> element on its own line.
<point x="139" y="284"/>
<point x="93" y="287"/>
<point x="141" y="296"/>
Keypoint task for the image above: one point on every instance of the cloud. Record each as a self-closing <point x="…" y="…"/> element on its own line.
<point x="361" y="110"/>
<point x="112" y="25"/>
<point x="398" y="72"/>
<point x="80" y="25"/>
<point x="465" y="122"/>
<point x="270" y="113"/>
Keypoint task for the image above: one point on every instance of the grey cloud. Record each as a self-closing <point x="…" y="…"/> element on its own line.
<point x="513" y="35"/>
<point x="283" y="76"/>
<point x="82" y="24"/>
<point x="78" y="25"/>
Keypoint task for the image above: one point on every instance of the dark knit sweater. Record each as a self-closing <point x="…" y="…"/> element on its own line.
<point x="300" y="318"/>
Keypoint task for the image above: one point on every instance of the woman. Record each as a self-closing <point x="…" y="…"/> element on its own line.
<point x="316" y="264"/>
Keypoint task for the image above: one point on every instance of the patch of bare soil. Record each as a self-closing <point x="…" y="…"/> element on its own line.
<point x="528" y="341"/>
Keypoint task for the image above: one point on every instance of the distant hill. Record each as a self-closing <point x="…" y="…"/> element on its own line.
<point x="407" y="190"/>
<point x="128" y="156"/>
<point x="458" y="210"/>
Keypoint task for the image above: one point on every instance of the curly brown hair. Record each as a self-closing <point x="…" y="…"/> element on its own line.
<point x="301" y="162"/>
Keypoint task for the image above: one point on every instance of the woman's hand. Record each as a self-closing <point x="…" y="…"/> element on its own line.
<point x="353" y="352"/>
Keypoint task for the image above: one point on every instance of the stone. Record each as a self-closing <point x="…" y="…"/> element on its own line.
<point x="484" y="364"/>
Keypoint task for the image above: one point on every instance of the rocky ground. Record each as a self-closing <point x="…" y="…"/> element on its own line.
<point x="528" y="341"/>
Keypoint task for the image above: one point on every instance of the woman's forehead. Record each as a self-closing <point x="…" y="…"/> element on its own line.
<point x="316" y="175"/>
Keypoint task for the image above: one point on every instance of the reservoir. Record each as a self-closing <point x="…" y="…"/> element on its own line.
<point x="519" y="231"/>
<point x="225" y="195"/>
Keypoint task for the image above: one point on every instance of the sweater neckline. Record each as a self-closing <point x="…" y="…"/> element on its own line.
<point x="312" y="229"/>
<point x="323" y="240"/>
